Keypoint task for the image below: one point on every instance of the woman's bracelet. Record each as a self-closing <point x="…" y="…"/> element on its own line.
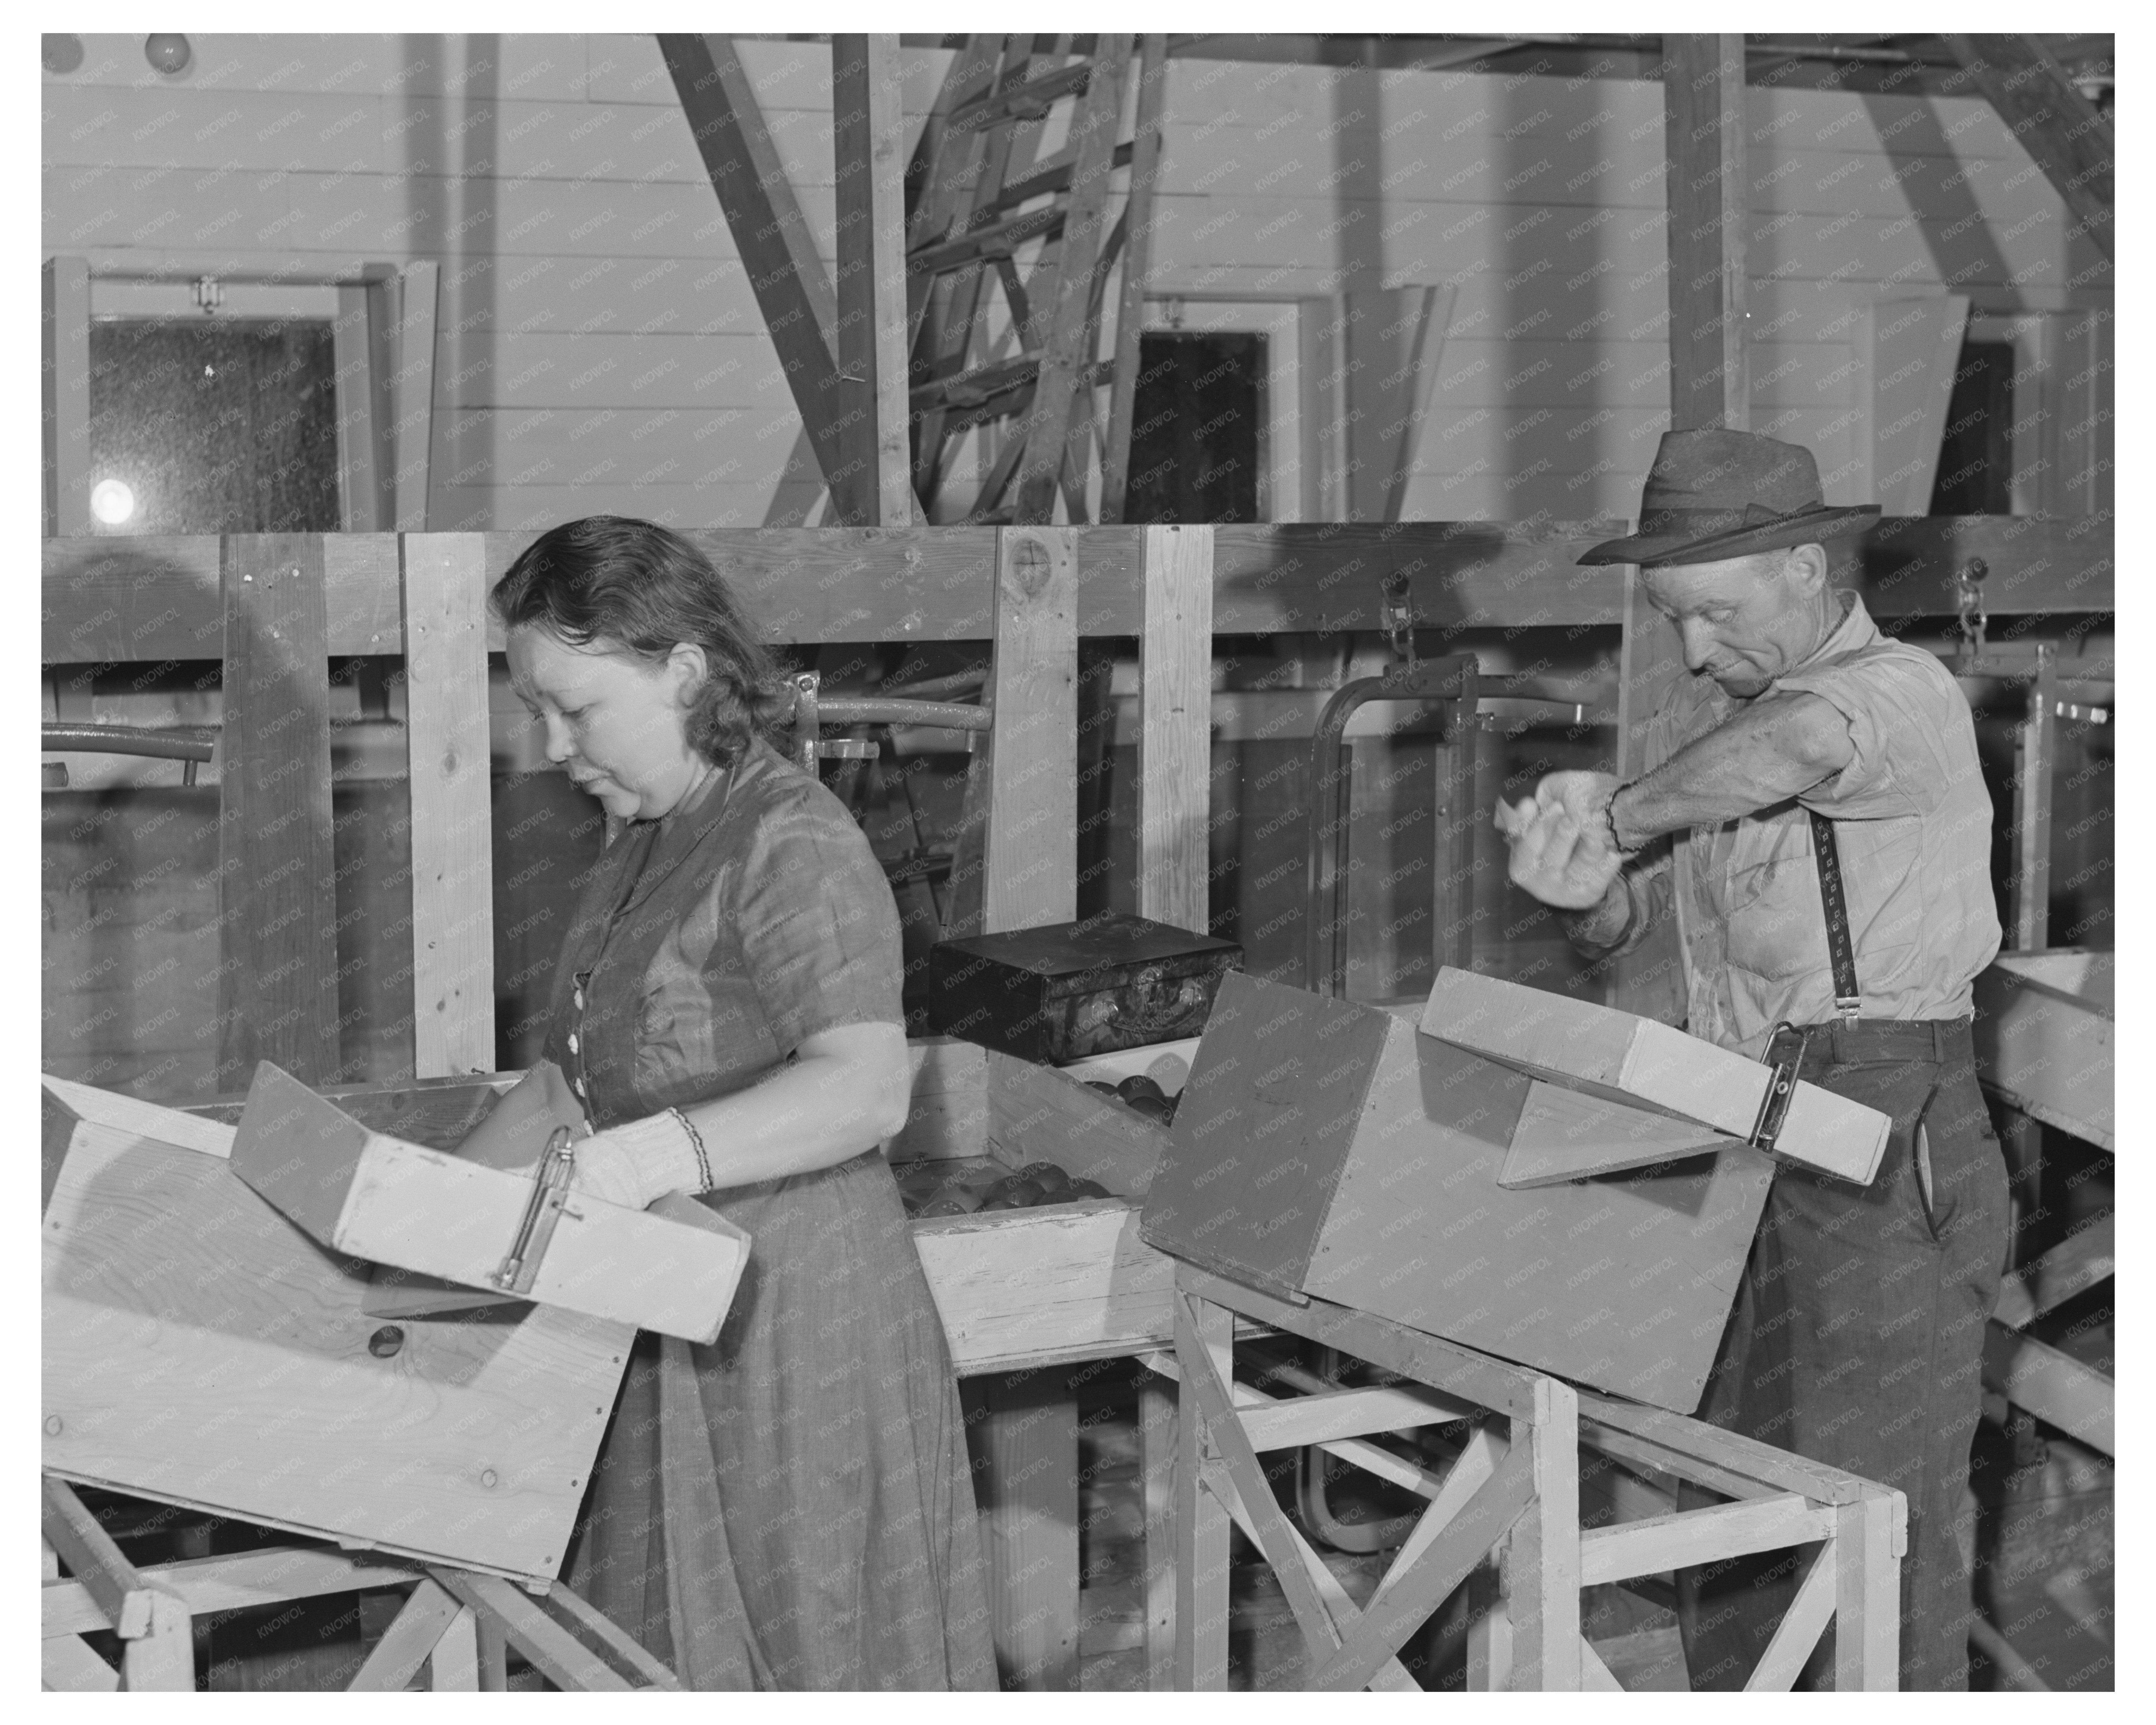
<point x="696" y="1140"/>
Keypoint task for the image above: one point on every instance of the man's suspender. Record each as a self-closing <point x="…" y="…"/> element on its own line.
<point x="1839" y="954"/>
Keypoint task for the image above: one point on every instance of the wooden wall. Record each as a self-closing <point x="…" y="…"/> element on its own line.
<point x="600" y="349"/>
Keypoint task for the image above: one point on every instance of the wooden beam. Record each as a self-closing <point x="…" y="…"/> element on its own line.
<point x="359" y="467"/>
<point x="240" y="1581"/>
<point x="1201" y="1520"/>
<point x="277" y="871"/>
<point x="769" y="228"/>
<point x="144" y="599"/>
<point x="2060" y="127"/>
<point x="1053" y="435"/>
<point x="876" y="487"/>
<point x="410" y="1640"/>
<point x="1867" y="1640"/>
<point x="556" y="1654"/>
<point x="1700" y="1536"/>
<point x="1709" y="222"/>
<point x="66" y="382"/>
<point x="1175" y="702"/>
<point x="447" y="731"/>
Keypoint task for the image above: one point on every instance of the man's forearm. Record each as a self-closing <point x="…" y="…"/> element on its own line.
<point x="1775" y="748"/>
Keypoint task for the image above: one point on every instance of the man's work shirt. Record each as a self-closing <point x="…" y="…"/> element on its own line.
<point x="1913" y="826"/>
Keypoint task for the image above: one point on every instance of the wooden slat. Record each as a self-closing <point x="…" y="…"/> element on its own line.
<point x="1476" y="1462"/>
<point x="558" y="1655"/>
<point x="1175" y="676"/>
<point x="2030" y="890"/>
<point x="2077" y="1263"/>
<point x="1496" y="1506"/>
<point x="1157" y="1441"/>
<point x="2053" y="1385"/>
<point x="1444" y="1365"/>
<point x="358" y="441"/>
<point x="68" y="1665"/>
<point x="625" y="1647"/>
<point x="419" y="296"/>
<point x="277" y="893"/>
<point x="1028" y="1485"/>
<point x="769" y="231"/>
<point x="66" y="385"/>
<point x="453" y="1665"/>
<point x="1137" y="262"/>
<point x="1031" y="861"/>
<point x="1700" y="1536"/>
<point x="242" y="1581"/>
<point x="1709" y="216"/>
<point x="123" y="1602"/>
<point x="874" y="487"/>
<point x="148" y="598"/>
<point x="1049" y="422"/>
<point x="1800" y="1628"/>
<point x="2060" y="127"/>
<point x="409" y="1641"/>
<point x="1291" y="1422"/>
<point x="448" y="732"/>
<point x="1686" y="1441"/>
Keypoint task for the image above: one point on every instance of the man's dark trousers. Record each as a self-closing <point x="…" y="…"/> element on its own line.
<point x="1857" y="1340"/>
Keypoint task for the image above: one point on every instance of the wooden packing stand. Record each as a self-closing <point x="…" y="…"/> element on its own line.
<point x="1513" y="1494"/>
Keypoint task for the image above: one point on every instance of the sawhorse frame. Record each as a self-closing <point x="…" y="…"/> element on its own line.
<point x="458" y="1624"/>
<point x="1514" y="1491"/>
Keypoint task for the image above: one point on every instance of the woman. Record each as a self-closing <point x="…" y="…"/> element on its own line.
<point x="790" y="1508"/>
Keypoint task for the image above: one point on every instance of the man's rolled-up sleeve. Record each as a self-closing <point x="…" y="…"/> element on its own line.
<point x="1896" y="702"/>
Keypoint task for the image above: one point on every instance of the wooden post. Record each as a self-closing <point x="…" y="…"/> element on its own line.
<point x="359" y="429"/>
<point x="1157" y="1448"/>
<point x="277" y="888"/>
<point x="1138" y="260"/>
<point x="1029" y="859"/>
<point x="2036" y="752"/>
<point x="1703" y="97"/>
<point x="412" y="392"/>
<point x="1175" y="702"/>
<point x="66" y="325"/>
<point x="1201" y="1520"/>
<point x="1710" y="384"/>
<point x="1541" y="1557"/>
<point x="1030" y="1528"/>
<point x="452" y="804"/>
<point x="1867" y="1615"/>
<point x="453" y="1665"/>
<point x="874" y="486"/>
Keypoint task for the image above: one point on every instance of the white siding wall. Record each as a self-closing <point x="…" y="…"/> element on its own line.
<point x="601" y="349"/>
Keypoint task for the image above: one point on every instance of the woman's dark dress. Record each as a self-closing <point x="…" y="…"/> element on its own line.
<point x="804" y="1519"/>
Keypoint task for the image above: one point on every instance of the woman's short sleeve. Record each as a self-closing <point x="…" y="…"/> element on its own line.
<point x="818" y="925"/>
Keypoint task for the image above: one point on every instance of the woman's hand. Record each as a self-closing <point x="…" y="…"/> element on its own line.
<point x="636" y="1164"/>
<point x="1559" y="840"/>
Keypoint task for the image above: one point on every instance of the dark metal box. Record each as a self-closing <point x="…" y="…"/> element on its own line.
<point x="1069" y="990"/>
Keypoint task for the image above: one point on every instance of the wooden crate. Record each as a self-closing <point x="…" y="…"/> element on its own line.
<point x="2044" y="1034"/>
<point x="200" y="1349"/>
<point x="1326" y="1149"/>
<point x="1067" y="1282"/>
<point x="368" y="1194"/>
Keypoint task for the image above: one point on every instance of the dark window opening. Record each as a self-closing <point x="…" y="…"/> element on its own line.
<point x="207" y="425"/>
<point x="1196" y="428"/>
<point x="1976" y="456"/>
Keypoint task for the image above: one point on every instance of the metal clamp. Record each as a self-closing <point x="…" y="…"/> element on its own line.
<point x="550" y="1197"/>
<point x="1781" y="1089"/>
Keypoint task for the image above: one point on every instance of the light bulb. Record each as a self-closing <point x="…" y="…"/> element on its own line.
<point x="112" y="501"/>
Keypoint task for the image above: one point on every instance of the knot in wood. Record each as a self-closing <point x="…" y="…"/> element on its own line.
<point x="1030" y="567"/>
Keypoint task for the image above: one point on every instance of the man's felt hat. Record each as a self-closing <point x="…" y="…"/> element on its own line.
<point x="1717" y="494"/>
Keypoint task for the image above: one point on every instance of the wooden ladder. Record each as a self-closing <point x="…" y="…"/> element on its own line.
<point x="977" y="196"/>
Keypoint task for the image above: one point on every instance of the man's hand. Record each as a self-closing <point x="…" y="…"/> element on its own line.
<point x="1560" y="841"/>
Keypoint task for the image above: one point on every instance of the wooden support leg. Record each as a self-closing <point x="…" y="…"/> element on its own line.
<point x="492" y="1655"/>
<point x="1867" y="1609"/>
<point x="1542" y="1558"/>
<point x="409" y="1641"/>
<point x="1157" y="1445"/>
<point x="454" y="1662"/>
<point x="1201" y="1521"/>
<point x="1029" y="1500"/>
<point x="1489" y="1632"/>
<point x="164" y="1659"/>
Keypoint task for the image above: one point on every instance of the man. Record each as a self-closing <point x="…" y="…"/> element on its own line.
<point x="1812" y="816"/>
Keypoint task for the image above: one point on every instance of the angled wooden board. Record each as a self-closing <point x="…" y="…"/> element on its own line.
<point x="2044" y="1031"/>
<point x="1635" y="1061"/>
<point x="1567" y="1135"/>
<point x="198" y="1348"/>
